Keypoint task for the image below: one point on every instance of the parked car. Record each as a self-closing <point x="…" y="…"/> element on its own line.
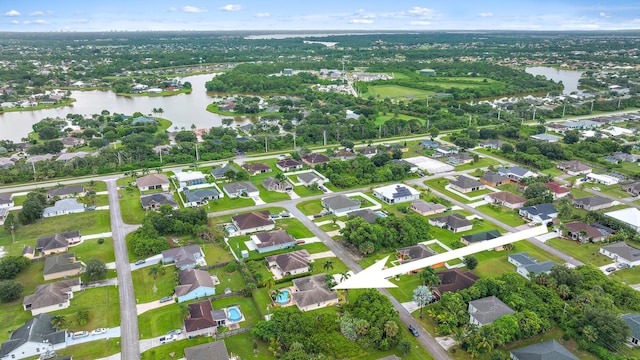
<point x="140" y="262"/>
<point x="168" y="339"/>
<point x="80" y="334"/>
<point x="610" y="269"/>
<point x="414" y="331"/>
<point x="623" y="266"/>
<point x="175" y="332"/>
<point x="99" y="331"/>
<point x="166" y="298"/>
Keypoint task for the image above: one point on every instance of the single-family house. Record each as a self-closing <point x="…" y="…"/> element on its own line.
<point x="29" y="252"/>
<point x="338" y="204"/>
<point x="64" y="207"/>
<point x="632" y="188"/>
<point x="593" y="203"/>
<point x="453" y="280"/>
<point x="186" y="257"/>
<point x="6" y="163"/>
<point x="396" y="147"/>
<point x="429" y="144"/>
<point x="253" y="221"/>
<point x="459" y="159"/>
<point x="465" y="184"/>
<point x="492" y="144"/>
<point x="369" y="151"/>
<point x="66" y="157"/>
<point x="272" y="184"/>
<point x="36" y="337"/>
<point x="583" y="232"/>
<point x="288" y="264"/>
<point x="289" y="164"/>
<point x="153" y="182"/>
<point x="602" y="179"/>
<point x="308" y="178"/>
<point x="629" y="216"/>
<point x="51" y="296"/>
<point x="539" y="214"/>
<point x="311" y="293"/>
<point x="59" y="266"/>
<point x="190" y="178"/>
<point x="617" y="157"/>
<point x="633" y="321"/>
<point x="199" y="197"/>
<point x="528" y="266"/>
<point x="203" y="320"/>
<point x="516" y="173"/>
<point x="194" y="284"/>
<point x="219" y="172"/>
<point x="491" y="178"/>
<point x="64" y="192"/>
<point x="487" y="310"/>
<point x="546" y="350"/>
<point x="4" y="212"/>
<point x="143" y="120"/>
<point x="575" y="167"/>
<point x="272" y="241"/>
<point x="441" y="152"/>
<point x="453" y="222"/>
<point x="6" y="200"/>
<point x="622" y="252"/>
<point x="344" y="155"/>
<point x="154" y="201"/>
<point x="314" y="159"/>
<point x="257" y="168"/>
<point x="215" y="350"/>
<point x="414" y="253"/>
<point x="396" y="193"/>
<point x="38" y="158"/>
<point x="243" y="188"/>
<point x="57" y="243"/>
<point x="367" y="215"/>
<point x="546" y="138"/>
<point x="479" y="237"/>
<point x="557" y="190"/>
<point x="506" y="199"/>
<point x="427" y="208"/>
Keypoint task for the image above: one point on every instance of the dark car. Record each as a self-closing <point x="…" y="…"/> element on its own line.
<point x="610" y="269"/>
<point x="139" y="262"/>
<point x="166" y="298"/>
<point x="623" y="266"/>
<point x="414" y="331"/>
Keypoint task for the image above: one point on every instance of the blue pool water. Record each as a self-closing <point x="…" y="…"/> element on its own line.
<point x="381" y="213"/>
<point x="234" y="314"/>
<point x="283" y="297"/>
<point x="231" y="229"/>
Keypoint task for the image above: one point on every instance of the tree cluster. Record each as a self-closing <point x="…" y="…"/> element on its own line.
<point x="391" y="232"/>
<point x="362" y="171"/>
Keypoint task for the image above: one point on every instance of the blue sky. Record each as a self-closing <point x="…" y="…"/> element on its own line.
<point x="132" y="15"/>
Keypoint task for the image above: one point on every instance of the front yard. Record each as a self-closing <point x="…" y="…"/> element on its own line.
<point x="91" y="249"/>
<point x="143" y="283"/>
<point x="494" y="263"/>
<point x="587" y="253"/>
<point x="507" y="216"/>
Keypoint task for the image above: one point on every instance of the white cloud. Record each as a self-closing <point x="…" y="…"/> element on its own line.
<point x="15" y="22"/>
<point x="421" y="23"/>
<point x="263" y="15"/>
<point x="361" y="21"/>
<point x="40" y="13"/>
<point x="419" y="11"/>
<point x="604" y="15"/>
<point x="193" y="9"/>
<point x="12" y="13"/>
<point x="172" y="9"/>
<point x="40" y="22"/>
<point x="485" y="14"/>
<point x="231" y="7"/>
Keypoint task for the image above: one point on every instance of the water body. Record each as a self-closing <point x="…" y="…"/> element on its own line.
<point x="182" y="109"/>
<point x="569" y="78"/>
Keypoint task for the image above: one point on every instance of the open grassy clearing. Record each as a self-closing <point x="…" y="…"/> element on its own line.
<point x="143" y="284"/>
<point x="216" y="254"/>
<point x="102" y="303"/>
<point x="507" y="216"/>
<point x="159" y="321"/>
<point x="130" y="207"/>
<point x="481" y="163"/>
<point x="92" y="350"/>
<point x="494" y="263"/>
<point x="587" y="253"/>
<point x="91" y="249"/>
<point x="397" y="91"/>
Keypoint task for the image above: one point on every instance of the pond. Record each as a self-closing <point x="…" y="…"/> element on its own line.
<point x="570" y="78"/>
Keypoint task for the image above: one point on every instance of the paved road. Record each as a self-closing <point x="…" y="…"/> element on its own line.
<point x="130" y="343"/>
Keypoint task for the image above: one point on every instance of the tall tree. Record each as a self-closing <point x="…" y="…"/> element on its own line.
<point x="429" y="277"/>
<point x="95" y="269"/>
<point x="422" y="296"/>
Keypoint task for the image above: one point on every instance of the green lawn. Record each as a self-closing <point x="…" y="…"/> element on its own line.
<point x="89" y="222"/>
<point x="613" y="190"/>
<point x="447" y="237"/>
<point x="92" y="350"/>
<point x="494" y="263"/>
<point x="629" y="276"/>
<point x="587" y="253"/>
<point x="310" y="207"/>
<point x="329" y="227"/>
<point x="102" y="303"/>
<point x="396" y="91"/>
<point x="579" y="193"/>
<point x="553" y="171"/>
<point x="439" y="185"/>
<point x="304" y="191"/>
<point x="233" y="281"/>
<point x="143" y="284"/>
<point x="13" y="315"/>
<point x="247" y="308"/>
<point x="215" y="254"/>
<point x="159" y="321"/>
<point x="406" y="285"/>
<point x="227" y="203"/>
<point x="242" y="345"/>
<point x="130" y="206"/>
<point x="272" y="196"/>
<point x="237" y="244"/>
<point x="91" y="249"/>
<point x="507" y="216"/>
<point x="294" y="227"/>
<point x="482" y="163"/>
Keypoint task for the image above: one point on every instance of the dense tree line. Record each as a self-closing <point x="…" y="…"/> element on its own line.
<point x="391" y="232"/>
<point x="362" y="171"/>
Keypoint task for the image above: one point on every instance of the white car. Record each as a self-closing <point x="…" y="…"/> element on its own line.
<point x="80" y="334"/>
<point x="168" y="339"/>
<point x="99" y="331"/>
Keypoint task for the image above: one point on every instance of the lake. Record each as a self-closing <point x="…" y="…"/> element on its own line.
<point x="181" y="109"/>
<point x="569" y="78"/>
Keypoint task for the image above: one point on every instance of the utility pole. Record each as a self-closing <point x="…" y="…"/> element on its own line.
<point x="534" y="114"/>
<point x="619" y="100"/>
<point x="13" y="234"/>
<point x="470" y="120"/>
<point x="197" y="153"/>
<point x="564" y="107"/>
<point x="294" y="139"/>
<point x="498" y="114"/>
<point x="324" y="137"/>
<point x="160" y="156"/>
<point x="427" y="101"/>
<point x="592" y="105"/>
<point x="33" y="165"/>
<point x="266" y="144"/>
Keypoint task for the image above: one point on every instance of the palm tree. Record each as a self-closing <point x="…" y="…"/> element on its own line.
<point x="429" y="277"/>
<point x="310" y="265"/>
<point x="281" y="177"/>
<point x="269" y="283"/>
<point x="155" y="271"/>
<point x="328" y="265"/>
<point x="344" y="276"/>
<point x="329" y="281"/>
<point x="82" y="318"/>
<point x="58" y="321"/>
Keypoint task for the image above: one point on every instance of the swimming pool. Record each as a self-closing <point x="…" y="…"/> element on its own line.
<point x="231" y="229"/>
<point x="381" y="213"/>
<point x="283" y="297"/>
<point x="234" y="314"/>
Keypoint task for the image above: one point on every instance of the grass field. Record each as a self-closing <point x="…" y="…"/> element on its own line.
<point x="143" y="284"/>
<point x="130" y="206"/>
<point x="91" y="249"/>
<point x="587" y="253"/>
<point x="103" y="305"/>
<point x="495" y="263"/>
<point x="310" y="207"/>
<point x="481" y="163"/>
<point x="507" y="216"/>
<point x="92" y="350"/>
<point x="159" y="321"/>
<point x="396" y="91"/>
<point x="215" y="254"/>
<point x="294" y="227"/>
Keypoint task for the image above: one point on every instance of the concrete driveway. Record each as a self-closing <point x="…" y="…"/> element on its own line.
<point x="111" y="333"/>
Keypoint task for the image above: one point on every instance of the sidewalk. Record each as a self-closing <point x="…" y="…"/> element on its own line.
<point x="142" y="308"/>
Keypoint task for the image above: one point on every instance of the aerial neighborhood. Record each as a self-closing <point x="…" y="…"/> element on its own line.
<point x="497" y="206"/>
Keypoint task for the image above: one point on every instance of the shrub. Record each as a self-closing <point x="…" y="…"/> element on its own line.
<point x="100" y="241"/>
<point x="231" y="267"/>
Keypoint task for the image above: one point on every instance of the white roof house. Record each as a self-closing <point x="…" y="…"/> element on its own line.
<point x="190" y="178"/>
<point x="629" y="216"/>
<point x="429" y="165"/>
<point x="618" y="131"/>
<point x="602" y="179"/>
<point x="396" y="193"/>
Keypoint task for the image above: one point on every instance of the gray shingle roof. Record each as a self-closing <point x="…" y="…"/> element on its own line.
<point x="201" y="194"/>
<point x="191" y="279"/>
<point x="482" y="236"/>
<point x="274" y="238"/>
<point x="466" y="182"/>
<point x="489" y="309"/>
<point x="216" y="350"/>
<point x="56" y="241"/>
<point x="219" y="172"/>
<point x="36" y="330"/>
<point x="548" y="350"/>
<point x="633" y="320"/>
<point x="290" y="261"/>
<point x="240" y="186"/>
<point x="60" y="263"/>
<point x="253" y="220"/>
<point x="50" y="294"/>
<point x="453" y="220"/>
<point x="312" y="290"/>
<point x="595" y="200"/>
<point x="157" y="198"/>
<point x="152" y="180"/>
<point x="186" y="255"/>
<point x="65" y="190"/>
<point x="339" y="202"/>
<point x="624" y="251"/>
<point x="367" y="214"/>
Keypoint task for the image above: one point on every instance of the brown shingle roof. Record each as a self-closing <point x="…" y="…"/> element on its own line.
<point x="51" y="293"/>
<point x="253" y="220"/>
<point x="151" y="180"/>
<point x="274" y="238"/>
<point x="290" y="261"/>
<point x="315" y="158"/>
<point x="255" y="167"/>
<point x="455" y="280"/>
<point x="507" y="197"/>
<point x="192" y="279"/>
<point x="200" y="316"/>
